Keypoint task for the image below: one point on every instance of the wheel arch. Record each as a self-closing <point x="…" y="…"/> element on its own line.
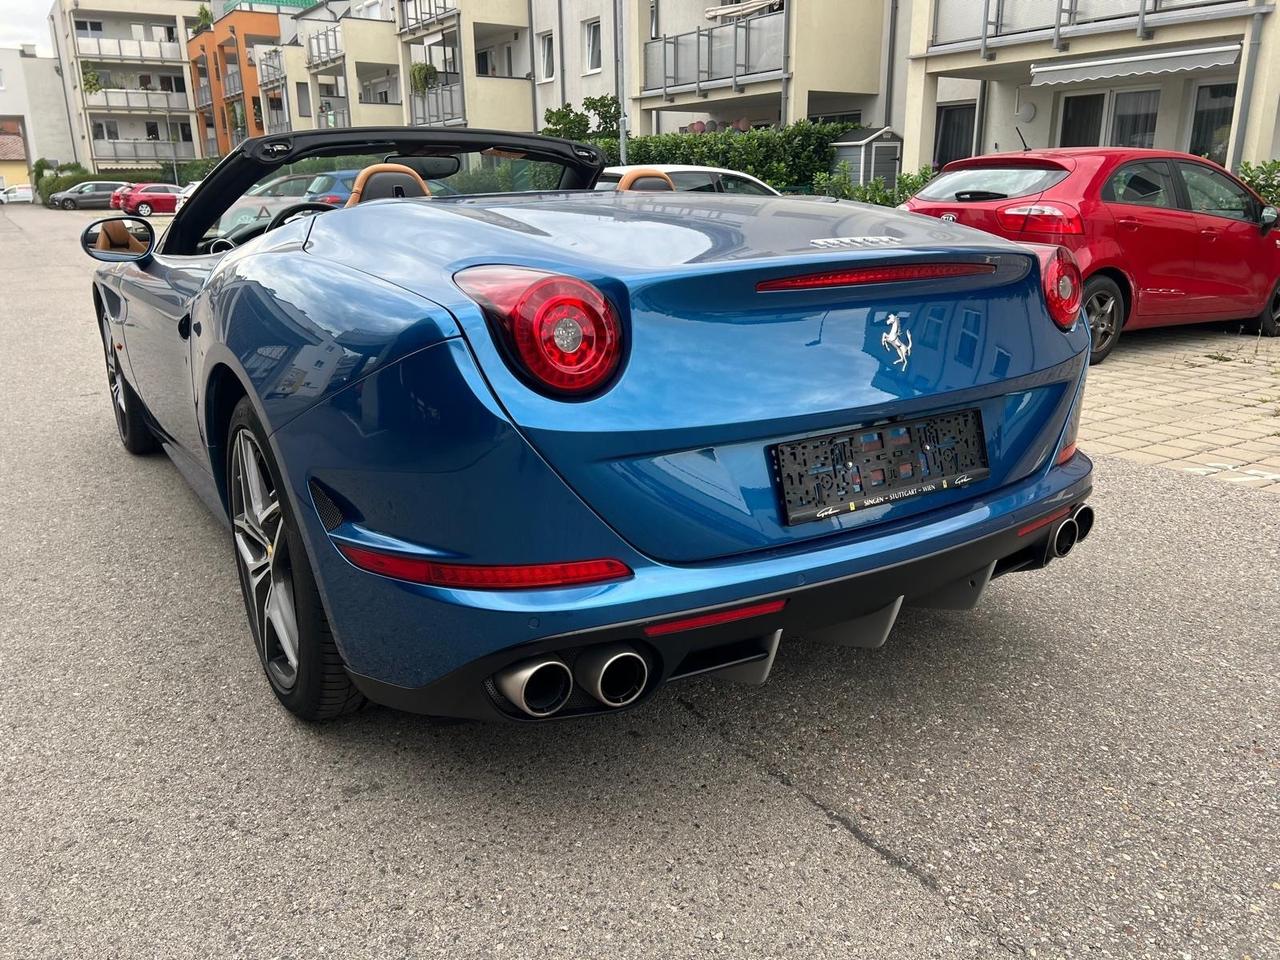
<point x="1121" y="280"/>
<point x="223" y="390"/>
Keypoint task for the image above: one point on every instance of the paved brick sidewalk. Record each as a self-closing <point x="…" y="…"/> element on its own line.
<point x="1198" y="399"/>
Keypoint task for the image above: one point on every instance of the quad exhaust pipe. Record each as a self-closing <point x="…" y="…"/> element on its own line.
<point x="538" y="687"/>
<point x="614" y="674"/>
<point x="1071" y="531"/>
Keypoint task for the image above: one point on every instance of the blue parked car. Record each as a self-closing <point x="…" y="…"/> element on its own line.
<point x="332" y="187"/>
<point x="536" y="453"/>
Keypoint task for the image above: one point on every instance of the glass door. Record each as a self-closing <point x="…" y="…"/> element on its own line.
<point x="1082" y="120"/>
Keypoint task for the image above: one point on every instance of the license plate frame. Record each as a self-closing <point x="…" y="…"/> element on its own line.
<point x="866" y="466"/>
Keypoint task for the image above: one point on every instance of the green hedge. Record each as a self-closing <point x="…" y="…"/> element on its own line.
<point x="191" y="170"/>
<point x="787" y="158"/>
<point x="840" y="184"/>
<point x="1263" y="177"/>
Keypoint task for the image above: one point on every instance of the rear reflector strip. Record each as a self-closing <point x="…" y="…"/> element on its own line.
<point x="466" y="576"/>
<point x="886" y="274"/>
<point x="1043" y="522"/>
<point x="712" y="619"/>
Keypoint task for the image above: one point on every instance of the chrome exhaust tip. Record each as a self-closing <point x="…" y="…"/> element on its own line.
<point x="1084" y="521"/>
<point x="538" y="687"/>
<point x="1064" y="538"/>
<point x="615" y="675"/>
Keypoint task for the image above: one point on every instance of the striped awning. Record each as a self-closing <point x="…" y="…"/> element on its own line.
<point x="1146" y="64"/>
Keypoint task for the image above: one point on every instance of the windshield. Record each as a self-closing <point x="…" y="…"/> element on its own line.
<point x="991" y="183"/>
<point x="331" y="180"/>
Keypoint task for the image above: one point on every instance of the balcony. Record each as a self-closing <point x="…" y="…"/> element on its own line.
<point x="271" y="69"/>
<point x="277" y="121"/>
<point x="439" y="105"/>
<point x="141" y="101"/>
<point x="729" y="54"/>
<point x="232" y="84"/>
<point x="238" y="136"/>
<point x="324" y="47"/>
<point x="143" y="150"/>
<point x="101" y="48"/>
<point x="204" y="97"/>
<point x="211" y="146"/>
<point x="979" y="22"/>
<point x="333" y="118"/>
<point x="419" y="14"/>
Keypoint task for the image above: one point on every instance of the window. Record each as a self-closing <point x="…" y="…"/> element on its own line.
<point x="546" y="55"/>
<point x="153" y="130"/>
<point x="86" y="27"/>
<point x="304" y="100"/>
<point x="184" y="131"/>
<point x="1133" y="118"/>
<point x="653" y="20"/>
<point x="591" y="45"/>
<point x="1215" y="193"/>
<point x="105" y="130"/>
<point x="1147" y="184"/>
<point x="967" y="347"/>
<point x="694" y="181"/>
<point x="991" y="183"/>
<point x="1082" y="120"/>
<point x="1211" y="121"/>
<point x="484" y="63"/>
<point x="741" y="185"/>
<point x="954" y="137"/>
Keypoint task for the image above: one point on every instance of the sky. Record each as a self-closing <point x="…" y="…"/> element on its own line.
<point x="25" y="21"/>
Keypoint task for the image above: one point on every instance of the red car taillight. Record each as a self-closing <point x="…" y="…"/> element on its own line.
<point x="470" y="576"/>
<point x="330" y="198"/>
<point x="1063" y="288"/>
<point x="1051" y="219"/>
<point x="563" y="332"/>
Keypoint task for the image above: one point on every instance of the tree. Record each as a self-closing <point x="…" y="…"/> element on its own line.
<point x="607" y="111"/>
<point x="566" y="122"/>
<point x="204" y="18"/>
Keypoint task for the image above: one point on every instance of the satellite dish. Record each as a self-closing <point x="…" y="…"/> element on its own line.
<point x="1025" y="113"/>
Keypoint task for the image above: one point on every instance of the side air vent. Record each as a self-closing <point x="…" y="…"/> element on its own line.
<point x="330" y="513"/>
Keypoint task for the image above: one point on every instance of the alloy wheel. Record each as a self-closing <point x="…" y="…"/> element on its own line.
<point x="262" y="558"/>
<point x="144" y="209"/>
<point x="115" y="381"/>
<point x="1101" y="311"/>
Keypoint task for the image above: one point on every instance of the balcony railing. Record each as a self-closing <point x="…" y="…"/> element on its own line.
<point x="440" y="104"/>
<point x="141" y="100"/>
<point x="102" y="48"/>
<point x="961" y="21"/>
<point x="415" y="14"/>
<point x="333" y="118"/>
<point x="143" y="150"/>
<point x="238" y="136"/>
<point x="211" y="146"/>
<point x="324" y="47"/>
<point x="204" y="96"/>
<point x="277" y="121"/>
<point x="271" y="69"/>
<point x="232" y="84"/>
<point x="732" y="51"/>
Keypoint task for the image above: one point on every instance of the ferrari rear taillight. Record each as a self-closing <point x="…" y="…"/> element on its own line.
<point x="562" y="332"/>
<point x="892" y="273"/>
<point x="471" y="576"/>
<point x="1050" y="219"/>
<point x="1063" y="289"/>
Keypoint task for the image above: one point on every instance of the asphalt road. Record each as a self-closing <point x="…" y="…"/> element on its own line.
<point x="1087" y="765"/>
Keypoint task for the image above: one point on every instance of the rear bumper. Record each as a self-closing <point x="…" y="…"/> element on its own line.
<point x="954" y="576"/>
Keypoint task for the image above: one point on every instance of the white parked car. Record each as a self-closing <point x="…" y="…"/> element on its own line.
<point x="187" y="191"/>
<point x="685" y="177"/>
<point x="18" y="193"/>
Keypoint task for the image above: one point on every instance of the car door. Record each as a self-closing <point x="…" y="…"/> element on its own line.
<point x="157" y="324"/>
<point x="1233" y="259"/>
<point x="99" y="195"/>
<point x="1157" y="241"/>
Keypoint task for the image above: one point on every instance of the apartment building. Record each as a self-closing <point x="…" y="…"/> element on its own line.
<point x="124" y="76"/>
<point x="1195" y="75"/>
<point x="33" y="112"/>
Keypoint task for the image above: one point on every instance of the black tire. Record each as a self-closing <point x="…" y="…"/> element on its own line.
<point x="131" y="417"/>
<point x="1267" y="322"/>
<point x="144" y="210"/>
<point x="68" y="204"/>
<point x="316" y="685"/>
<point x="1105" y="309"/>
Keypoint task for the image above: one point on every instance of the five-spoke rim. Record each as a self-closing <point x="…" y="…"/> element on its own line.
<point x="114" y="380"/>
<point x="1101" y="311"/>
<point x="262" y="557"/>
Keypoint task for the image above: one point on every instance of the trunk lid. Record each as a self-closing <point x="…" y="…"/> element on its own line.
<point x="972" y="192"/>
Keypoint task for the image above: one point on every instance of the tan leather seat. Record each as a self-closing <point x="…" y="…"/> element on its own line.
<point x="646" y="178"/>
<point x="115" y="237"/>
<point x="378" y="181"/>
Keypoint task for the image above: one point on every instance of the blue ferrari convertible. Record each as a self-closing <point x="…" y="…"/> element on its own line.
<point x="513" y="448"/>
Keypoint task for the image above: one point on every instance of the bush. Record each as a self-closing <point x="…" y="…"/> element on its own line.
<point x="841" y="186"/>
<point x="1264" y="178"/>
<point x="789" y="158"/>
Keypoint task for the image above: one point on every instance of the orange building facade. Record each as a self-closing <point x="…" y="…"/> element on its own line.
<point x="224" y="76"/>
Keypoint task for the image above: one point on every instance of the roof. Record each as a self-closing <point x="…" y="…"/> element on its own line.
<point x="12" y="147"/>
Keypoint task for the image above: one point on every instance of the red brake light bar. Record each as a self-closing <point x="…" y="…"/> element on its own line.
<point x="714" y="618"/>
<point x="1043" y="522"/>
<point x="469" y="576"/>
<point x="854" y="276"/>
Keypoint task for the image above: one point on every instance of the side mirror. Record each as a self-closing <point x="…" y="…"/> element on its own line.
<point x="1267" y="218"/>
<point x="118" y="239"/>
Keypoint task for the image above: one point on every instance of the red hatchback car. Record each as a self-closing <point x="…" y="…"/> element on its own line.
<point x="1161" y="237"/>
<point x="148" y="198"/>
<point x="117" y="195"/>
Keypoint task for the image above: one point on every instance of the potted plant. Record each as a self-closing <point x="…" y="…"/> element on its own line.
<point x="422" y="77"/>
